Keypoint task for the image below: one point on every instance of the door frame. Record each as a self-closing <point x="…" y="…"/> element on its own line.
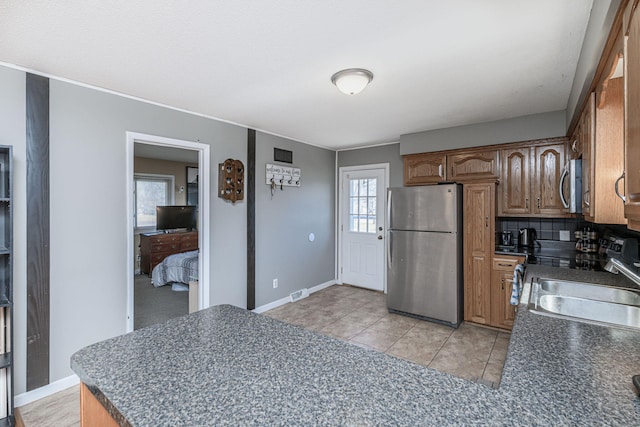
<point x="204" y="204"/>
<point x="340" y="220"/>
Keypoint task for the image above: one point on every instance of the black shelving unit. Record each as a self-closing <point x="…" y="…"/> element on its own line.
<point x="6" y="286"/>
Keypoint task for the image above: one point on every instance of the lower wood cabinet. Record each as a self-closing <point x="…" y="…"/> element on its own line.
<point x="479" y="242"/>
<point x="503" y="314"/>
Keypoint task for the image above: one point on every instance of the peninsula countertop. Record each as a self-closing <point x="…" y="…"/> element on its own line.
<point x="225" y="365"/>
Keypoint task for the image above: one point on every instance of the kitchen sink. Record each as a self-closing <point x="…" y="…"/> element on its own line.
<point x="586" y="302"/>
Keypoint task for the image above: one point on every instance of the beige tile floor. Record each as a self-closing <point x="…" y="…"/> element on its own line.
<point x="359" y="316"/>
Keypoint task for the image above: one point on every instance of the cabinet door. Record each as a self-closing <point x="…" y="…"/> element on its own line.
<point x="479" y="218"/>
<point x="515" y="182"/>
<point x="575" y="143"/>
<point x="425" y="168"/>
<point x="503" y="314"/>
<point x="549" y="163"/>
<point x="632" y="119"/>
<point x="473" y="166"/>
<point x="588" y="160"/>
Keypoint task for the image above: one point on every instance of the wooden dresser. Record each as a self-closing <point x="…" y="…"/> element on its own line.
<point x="154" y="247"/>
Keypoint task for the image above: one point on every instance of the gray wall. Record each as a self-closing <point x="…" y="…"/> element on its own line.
<point x="12" y="132"/>
<point x="602" y="14"/>
<point x="525" y="128"/>
<point x="88" y="213"/>
<point x="284" y="221"/>
<point x="382" y="154"/>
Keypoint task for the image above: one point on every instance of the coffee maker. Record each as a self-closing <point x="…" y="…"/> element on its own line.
<point x="527" y="237"/>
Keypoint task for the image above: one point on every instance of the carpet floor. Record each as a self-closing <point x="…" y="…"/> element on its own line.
<point x="155" y="305"/>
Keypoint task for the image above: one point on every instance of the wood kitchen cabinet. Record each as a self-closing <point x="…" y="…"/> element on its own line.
<point x="530" y="179"/>
<point x="585" y="137"/>
<point x="424" y="168"/>
<point x="515" y="184"/>
<point x="503" y="314"/>
<point x="479" y="243"/>
<point x="549" y="161"/>
<point x="605" y="162"/>
<point x="473" y="165"/>
<point x="632" y="114"/>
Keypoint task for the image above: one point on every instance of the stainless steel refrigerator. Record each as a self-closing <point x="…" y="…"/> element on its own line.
<point x="424" y="252"/>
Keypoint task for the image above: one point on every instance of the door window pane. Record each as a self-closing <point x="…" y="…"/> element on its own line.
<point x="362" y="205"/>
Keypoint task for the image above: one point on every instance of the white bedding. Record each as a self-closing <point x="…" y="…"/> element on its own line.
<point x="177" y="268"/>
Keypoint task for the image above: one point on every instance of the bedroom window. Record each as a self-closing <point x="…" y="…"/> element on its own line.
<point x="151" y="190"/>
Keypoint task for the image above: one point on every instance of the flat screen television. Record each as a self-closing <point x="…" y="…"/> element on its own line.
<point x="175" y="217"/>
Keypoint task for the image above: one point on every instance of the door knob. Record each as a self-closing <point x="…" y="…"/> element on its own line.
<point x="379" y="228"/>
<point x="379" y="237"/>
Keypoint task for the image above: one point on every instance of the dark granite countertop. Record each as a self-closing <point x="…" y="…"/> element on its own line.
<point x="228" y="366"/>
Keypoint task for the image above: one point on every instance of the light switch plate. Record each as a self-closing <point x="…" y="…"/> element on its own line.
<point x="565" y="236"/>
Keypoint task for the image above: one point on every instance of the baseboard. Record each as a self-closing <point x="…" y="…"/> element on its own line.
<point x="44" y="391"/>
<point x="283" y="301"/>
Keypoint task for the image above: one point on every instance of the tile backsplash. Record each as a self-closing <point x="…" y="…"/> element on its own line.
<point x="549" y="228"/>
<point x="546" y="228"/>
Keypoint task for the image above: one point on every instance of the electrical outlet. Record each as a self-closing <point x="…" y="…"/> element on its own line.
<point x="275" y="283"/>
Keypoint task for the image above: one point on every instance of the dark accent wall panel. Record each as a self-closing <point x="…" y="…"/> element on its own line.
<point x="251" y="219"/>
<point x="37" y="117"/>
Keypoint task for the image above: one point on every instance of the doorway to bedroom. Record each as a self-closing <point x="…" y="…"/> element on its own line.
<point x="168" y="211"/>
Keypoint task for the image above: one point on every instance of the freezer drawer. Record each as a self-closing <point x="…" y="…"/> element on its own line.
<point x="424" y="276"/>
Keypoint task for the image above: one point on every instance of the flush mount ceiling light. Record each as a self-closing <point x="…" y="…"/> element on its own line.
<point x="352" y="80"/>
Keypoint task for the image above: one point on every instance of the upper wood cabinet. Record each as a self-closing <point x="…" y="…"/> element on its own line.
<point x="460" y="166"/>
<point x="473" y="165"/>
<point x="632" y="115"/>
<point x="549" y="162"/>
<point x="515" y="183"/>
<point x="424" y="168"/>
<point x="586" y="138"/>
<point x="530" y="179"/>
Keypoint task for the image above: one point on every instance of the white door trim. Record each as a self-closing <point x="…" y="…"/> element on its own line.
<point x="204" y="163"/>
<point x="340" y="220"/>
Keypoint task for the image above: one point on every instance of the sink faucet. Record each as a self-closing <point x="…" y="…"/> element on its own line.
<point x="616" y="266"/>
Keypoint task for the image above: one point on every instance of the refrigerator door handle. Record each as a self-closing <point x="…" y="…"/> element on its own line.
<point x="389" y="229"/>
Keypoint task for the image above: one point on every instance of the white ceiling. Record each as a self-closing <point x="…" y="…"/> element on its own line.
<point x="267" y="64"/>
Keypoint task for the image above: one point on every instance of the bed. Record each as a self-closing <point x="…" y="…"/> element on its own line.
<point x="177" y="268"/>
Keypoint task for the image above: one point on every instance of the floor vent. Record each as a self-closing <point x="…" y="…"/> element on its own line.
<point x="302" y="293"/>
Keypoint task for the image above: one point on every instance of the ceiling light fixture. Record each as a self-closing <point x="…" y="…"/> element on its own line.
<point x="352" y="80"/>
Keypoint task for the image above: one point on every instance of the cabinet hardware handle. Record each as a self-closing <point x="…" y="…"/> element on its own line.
<point x="440" y="171"/>
<point x="502" y="284"/>
<point x="538" y="202"/>
<point x="587" y="198"/>
<point x="486" y="221"/>
<point x="505" y="265"/>
<point x="574" y="146"/>
<point x="526" y="203"/>
<point x="624" y="198"/>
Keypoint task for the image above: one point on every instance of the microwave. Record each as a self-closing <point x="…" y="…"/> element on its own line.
<point x="571" y="186"/>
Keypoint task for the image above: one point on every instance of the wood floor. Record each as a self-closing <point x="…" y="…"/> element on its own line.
<point x="360" y="317"/>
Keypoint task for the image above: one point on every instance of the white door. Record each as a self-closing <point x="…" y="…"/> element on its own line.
<point x="362" y="227"/>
